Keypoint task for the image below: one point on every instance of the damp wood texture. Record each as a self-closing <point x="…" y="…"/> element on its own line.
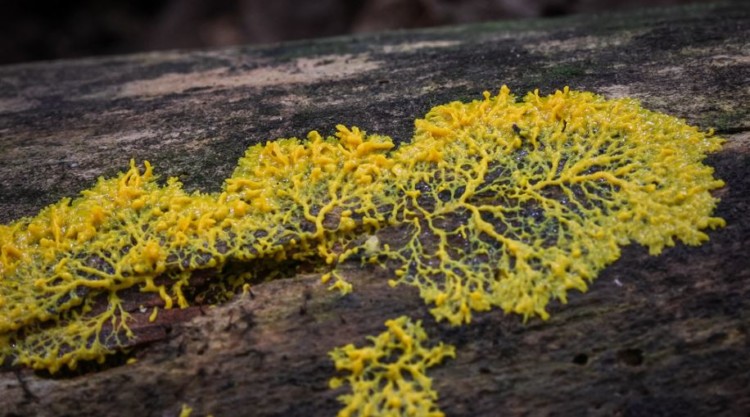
<point x="653" y="335"/>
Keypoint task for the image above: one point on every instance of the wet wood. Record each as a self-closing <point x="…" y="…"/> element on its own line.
<point x="664" y="335"/>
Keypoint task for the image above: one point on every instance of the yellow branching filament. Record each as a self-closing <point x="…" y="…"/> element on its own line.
<point x="388" y="378"/>
<point x="494" y="203"/>
<point x="511" y="204"/>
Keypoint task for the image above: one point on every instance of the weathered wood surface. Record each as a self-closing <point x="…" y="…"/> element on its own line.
<point x="666" y="335"/>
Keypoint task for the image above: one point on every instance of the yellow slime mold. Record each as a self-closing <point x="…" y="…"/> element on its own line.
<point x="388" y="378"/>
<point x="511" y="204"/>
<point x="494" y="203"/>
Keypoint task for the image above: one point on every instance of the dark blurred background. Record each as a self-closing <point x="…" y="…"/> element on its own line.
<point x="33" y="30"/>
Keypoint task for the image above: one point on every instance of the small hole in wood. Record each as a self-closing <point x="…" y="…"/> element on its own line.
<point x="581" y="359"/>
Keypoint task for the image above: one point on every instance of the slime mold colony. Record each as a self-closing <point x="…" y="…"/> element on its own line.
<point x="495" y="203"/>
<point x="388" y="387"/>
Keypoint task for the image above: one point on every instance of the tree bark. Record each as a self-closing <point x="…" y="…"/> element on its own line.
<point x="665" y="335"/>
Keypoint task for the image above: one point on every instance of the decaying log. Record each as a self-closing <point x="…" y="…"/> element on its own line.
<point x="664" y="335"/>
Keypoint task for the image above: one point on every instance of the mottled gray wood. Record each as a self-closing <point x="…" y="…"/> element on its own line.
<point x="664" y="335"/>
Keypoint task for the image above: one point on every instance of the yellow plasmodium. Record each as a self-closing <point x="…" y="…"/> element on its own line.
<point x="61" y="271"/>
<point x="185" y="411"/>
<point x="388" y="377"/>
<point x="512" y="203"/>
<point x="495" y="203"/>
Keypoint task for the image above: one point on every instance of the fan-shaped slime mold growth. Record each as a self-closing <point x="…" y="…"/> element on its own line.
<point x="511" y="204"/>
<point x="389" y="377"/>
<point x="495" y="203"/>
